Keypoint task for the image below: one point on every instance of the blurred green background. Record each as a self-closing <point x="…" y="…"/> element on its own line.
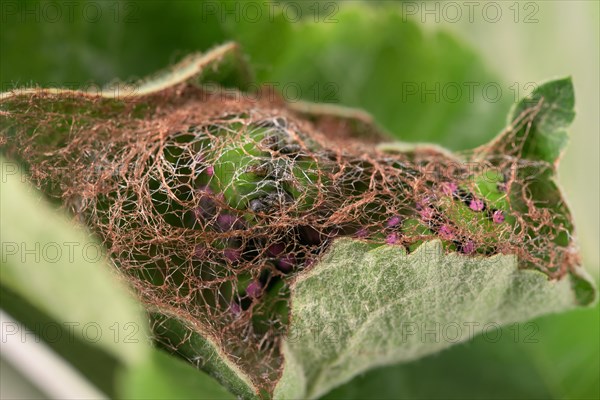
<point x="443" y="72"/>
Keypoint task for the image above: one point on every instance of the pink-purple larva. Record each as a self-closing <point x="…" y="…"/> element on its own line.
<point x="393" y="221"/>
<point x="235" y="309"/>
<point x="427" y="213"/>
<point x="392" y="238"/>
<point x="468" y="247"/>
<point x="254" y="289"/>
<point x="286" y="263"/>
<point x="362" y="233"/>
<point x="449" y="188"/>
<point x="206" y="205"/>
<point x="424" y="202"/>
<point x="232" y="255"/>
<point x="275" y="249"/>
<point x="446" y="232"/>
<point x="210" y="170"/>
<point x="476" y="205"/>
<point x="227" y="222"/>
<point x="200" y="252"/>
<point x="498" y="217"/>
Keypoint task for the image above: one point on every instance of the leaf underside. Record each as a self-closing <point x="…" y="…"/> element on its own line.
<point x="362" y="307"/>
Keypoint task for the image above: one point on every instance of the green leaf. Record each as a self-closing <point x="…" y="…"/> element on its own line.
<point x="360" y="308"/>
<point x="420" y="85"/>
<point x="88" y="45"/>
<point x="166" y="377"/>
<point x="489" y="367"/>
<point x="555" y="356"/>
<point x="98" y="366"/>
<point x="62" y="271"/>
<point x="549" y="109"/>
<point x="204" y="351"/>
<point x="567" y="354"/>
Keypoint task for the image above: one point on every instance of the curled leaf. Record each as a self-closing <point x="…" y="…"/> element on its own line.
<point x="242" y="222"/>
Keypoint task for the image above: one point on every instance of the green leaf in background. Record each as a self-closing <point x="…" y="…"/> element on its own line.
<point x="97" y="365"/>
<point x="167" y="377"/>
<point x="93" y="43"/>
<point x="421" y="85"/>
<point x="567" y="355"/>
<point x="557" y="356"/>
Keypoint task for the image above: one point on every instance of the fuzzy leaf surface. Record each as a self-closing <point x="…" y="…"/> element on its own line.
<point x="362" y="307"/>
